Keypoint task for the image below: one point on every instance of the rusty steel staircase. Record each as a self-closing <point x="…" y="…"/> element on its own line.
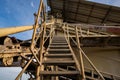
<point x="59" y="57"/>
<point x="54" y="63"/>
<point x="58" y="61"/>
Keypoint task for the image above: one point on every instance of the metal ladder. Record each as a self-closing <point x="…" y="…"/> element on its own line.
<point x="57" y="59"/>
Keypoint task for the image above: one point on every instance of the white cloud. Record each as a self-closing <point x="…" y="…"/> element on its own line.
<point x="32" y="4"/>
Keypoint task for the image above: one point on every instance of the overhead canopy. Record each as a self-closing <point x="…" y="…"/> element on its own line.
<point x="81" y="11"/>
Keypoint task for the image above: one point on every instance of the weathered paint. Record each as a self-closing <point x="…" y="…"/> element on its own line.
<point x="106" y="59"/>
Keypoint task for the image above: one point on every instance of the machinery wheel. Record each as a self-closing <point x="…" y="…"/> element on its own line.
<point x="8" y="41"/>
<point x="7" y="61"/>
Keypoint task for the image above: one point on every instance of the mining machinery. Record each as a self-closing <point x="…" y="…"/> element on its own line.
<point x="61" y="51"/>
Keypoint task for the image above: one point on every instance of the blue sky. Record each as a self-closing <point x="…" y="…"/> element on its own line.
<point x="20" y="12"/>
<point x="17" y="12"/>
<point x="109" y="2"/>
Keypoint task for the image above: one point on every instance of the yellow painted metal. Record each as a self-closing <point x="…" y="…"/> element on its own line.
<point x="12" y="30"/>
<point x="17" y="29"/>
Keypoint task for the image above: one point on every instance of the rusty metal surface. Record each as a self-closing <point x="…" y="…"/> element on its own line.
<point x="106" y="59"/>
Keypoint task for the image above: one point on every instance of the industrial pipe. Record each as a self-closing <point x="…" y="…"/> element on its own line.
<point x="12" y="30"/>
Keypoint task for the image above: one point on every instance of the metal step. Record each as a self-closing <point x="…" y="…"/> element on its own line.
<point x="58" y="62"/>
<point x="59" y="38"/>
<point x="58" y="44"/>
<point x="59" y="47"/>
<point x="59" y="41"/>
<point x="59" y="58"/>
<point x="58" y="55"/>
<point x="59" y="50"/>
<point x="59" y="73"/>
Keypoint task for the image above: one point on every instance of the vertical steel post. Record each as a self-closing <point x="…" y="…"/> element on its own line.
<point x="36" y="22"/>
<point x="40" y="54"/>
<point x="80" y="54"/>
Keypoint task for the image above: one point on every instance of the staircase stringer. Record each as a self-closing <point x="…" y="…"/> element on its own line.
<point x="74" y="57"/>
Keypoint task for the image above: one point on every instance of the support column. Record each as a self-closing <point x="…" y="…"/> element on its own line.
<point x="80" y="55"/>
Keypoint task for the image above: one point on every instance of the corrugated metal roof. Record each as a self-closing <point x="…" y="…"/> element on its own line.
<point x="81" y="11"/>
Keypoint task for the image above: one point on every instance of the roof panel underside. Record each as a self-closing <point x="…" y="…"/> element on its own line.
<point x="85" y="12"/>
